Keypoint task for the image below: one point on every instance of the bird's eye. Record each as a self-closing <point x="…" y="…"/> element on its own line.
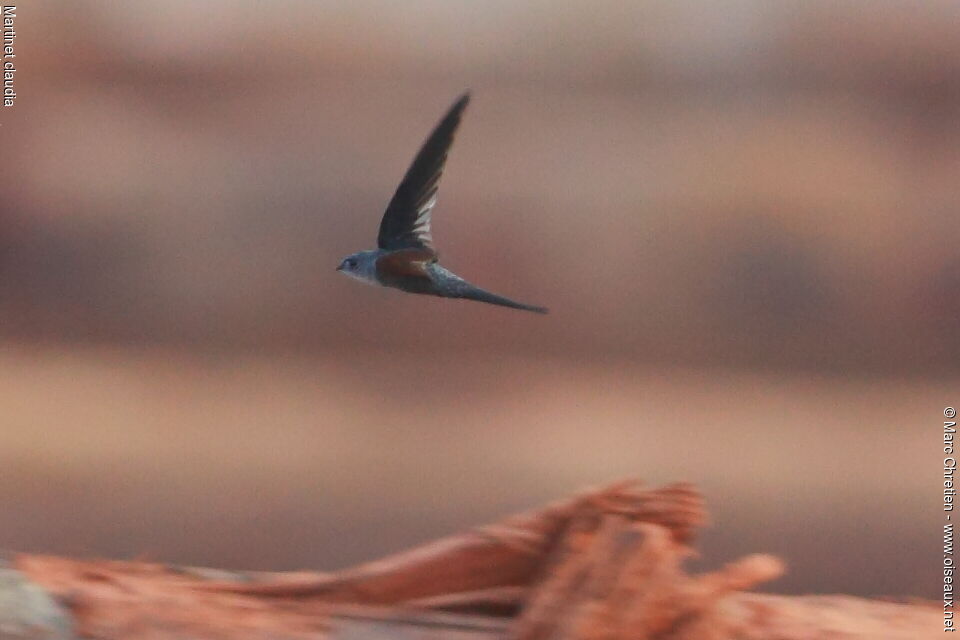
<point x="350" y="262"/>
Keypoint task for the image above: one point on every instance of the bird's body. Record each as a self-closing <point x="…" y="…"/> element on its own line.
<point x="405" y="258"/>
<point x="399" y="271"/>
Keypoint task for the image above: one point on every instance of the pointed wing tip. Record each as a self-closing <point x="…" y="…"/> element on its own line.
<point x="462" y="101"/>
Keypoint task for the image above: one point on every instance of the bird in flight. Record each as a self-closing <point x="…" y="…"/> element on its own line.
<point x="405" y="258"/>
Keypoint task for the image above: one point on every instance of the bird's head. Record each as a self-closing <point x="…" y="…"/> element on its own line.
<point x="362" y="266"/>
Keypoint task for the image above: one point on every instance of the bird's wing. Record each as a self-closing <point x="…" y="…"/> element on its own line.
<point x="406" y="222"/>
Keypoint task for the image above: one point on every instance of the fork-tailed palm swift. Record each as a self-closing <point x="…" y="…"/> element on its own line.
<point x="405" y="258"/>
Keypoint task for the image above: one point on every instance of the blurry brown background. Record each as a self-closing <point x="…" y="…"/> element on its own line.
<point x="743" y="216"/>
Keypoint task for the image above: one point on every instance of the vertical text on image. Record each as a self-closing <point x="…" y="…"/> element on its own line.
<point x="9" y="15"/>
<point x="949" y="469"/>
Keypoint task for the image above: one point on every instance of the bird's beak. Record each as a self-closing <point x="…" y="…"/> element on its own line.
<point x="339" y="267"/>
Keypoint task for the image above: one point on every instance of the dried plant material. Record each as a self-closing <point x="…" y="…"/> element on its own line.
<point x="504" y="602"/>
<point x="750" y="616"/>
<point x="604" y="565"/>
<point x="664" y="602"/>
<point x="743" y="574"/>
<point x="504" y="554"/>
<point x="362" y="623"/>
<point x="618" y="574"/>
<point x="142" y="600"/>
<point x="562" y="575"/>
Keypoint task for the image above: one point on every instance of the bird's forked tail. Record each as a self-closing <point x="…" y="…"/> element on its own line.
<point x="471" y="292"/>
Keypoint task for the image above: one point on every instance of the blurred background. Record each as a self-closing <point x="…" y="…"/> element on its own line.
<point x="743" y="216"/>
